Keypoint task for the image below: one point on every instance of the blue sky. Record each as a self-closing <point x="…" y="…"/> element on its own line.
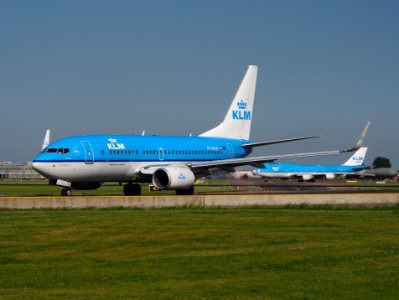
<point x="172" y="67"/>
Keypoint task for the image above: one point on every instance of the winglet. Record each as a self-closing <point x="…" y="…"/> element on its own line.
<point x="46" y="140"/>
<point x="360" y="140"/>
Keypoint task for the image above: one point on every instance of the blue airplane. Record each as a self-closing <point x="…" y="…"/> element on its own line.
<point x="309" y="172"/>
<point x="168" y="162"/>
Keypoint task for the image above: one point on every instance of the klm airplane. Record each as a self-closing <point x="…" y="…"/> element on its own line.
<point x="168" y="162"/>
<point x="309" y="172"/>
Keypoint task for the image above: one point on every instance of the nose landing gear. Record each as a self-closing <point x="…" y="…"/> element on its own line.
<point x="66" y="192"/>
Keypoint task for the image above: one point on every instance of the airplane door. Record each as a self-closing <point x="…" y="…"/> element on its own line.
<point x="89" y="156"/>
<point x="231" y="150"/>
<point x="161" y="153"/>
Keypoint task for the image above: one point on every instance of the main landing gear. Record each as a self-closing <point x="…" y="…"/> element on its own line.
<point x="189" y="191"/>
<point x="132" y="189"/>
<point x="66" y="192"/>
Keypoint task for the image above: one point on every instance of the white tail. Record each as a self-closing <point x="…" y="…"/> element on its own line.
<point x="357" y="158"/>
<point x="237" y="122"/>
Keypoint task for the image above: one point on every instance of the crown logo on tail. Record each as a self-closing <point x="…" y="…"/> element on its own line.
<point x="242" y="104"/>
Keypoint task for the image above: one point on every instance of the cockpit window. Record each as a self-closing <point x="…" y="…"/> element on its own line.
<point x="56" y="150"/>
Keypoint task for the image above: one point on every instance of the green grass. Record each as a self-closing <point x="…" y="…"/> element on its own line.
<point x="200" y="254"/>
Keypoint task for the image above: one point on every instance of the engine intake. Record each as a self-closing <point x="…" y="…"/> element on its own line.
<point x="173" y="178"/>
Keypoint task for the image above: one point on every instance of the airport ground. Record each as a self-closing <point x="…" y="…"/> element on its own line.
<point x="293" y="252"/>
<point x="258" y="253"/>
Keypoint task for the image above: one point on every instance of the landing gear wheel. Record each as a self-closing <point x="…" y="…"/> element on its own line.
<point x="131" y="189"/>
<point x="189" y="191"/>
<point x="66" y="192"/>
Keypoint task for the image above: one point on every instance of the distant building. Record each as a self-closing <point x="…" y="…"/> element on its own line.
<point x="18" y="171"/>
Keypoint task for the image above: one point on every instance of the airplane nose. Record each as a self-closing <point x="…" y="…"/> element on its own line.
<point x="40" y="168"/>
<point x="36" y="166"/>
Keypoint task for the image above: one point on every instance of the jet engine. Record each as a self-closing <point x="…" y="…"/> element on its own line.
<point x="173" y="178"/>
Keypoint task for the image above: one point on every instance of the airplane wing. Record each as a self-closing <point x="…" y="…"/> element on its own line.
<point x="254" y="161"/>
<point x="257" y="162"/>
<point x="230" y="164"/>
<point x="251" y="145"/>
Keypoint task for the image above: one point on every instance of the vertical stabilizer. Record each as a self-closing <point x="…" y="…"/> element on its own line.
<point x="46" y="140"/>
<point x="357" y="158"/>
<point x="237" y="122"/>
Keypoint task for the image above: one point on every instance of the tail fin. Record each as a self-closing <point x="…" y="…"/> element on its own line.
<point x="237" y="122"/>
<point x="46" y="140"/>
<point x="357" y="158"/>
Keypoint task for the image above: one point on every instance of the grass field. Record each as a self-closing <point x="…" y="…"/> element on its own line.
<point x="200" y="254"/>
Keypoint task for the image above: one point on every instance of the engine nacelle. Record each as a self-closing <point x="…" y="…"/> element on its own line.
<point x="173" y="178"/>
<point x="307" y="177"/>
<point x="330" y="176"/>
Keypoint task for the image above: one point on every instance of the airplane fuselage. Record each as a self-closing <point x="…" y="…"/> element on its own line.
<point x="289" y="170"/>
<point x="119" y="157"/>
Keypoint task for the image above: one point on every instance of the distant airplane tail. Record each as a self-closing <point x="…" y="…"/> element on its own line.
<point x="237" y="122"/>
<point x="357" y="158"/>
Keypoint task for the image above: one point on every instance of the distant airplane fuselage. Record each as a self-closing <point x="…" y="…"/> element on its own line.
<point x="310" y="172"/>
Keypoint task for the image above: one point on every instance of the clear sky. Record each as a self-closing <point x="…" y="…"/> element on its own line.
<point x="172" y="67"/>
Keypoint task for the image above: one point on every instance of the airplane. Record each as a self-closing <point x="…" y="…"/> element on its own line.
<point x="168" y="162"/>
<point x="309" y="172"/>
